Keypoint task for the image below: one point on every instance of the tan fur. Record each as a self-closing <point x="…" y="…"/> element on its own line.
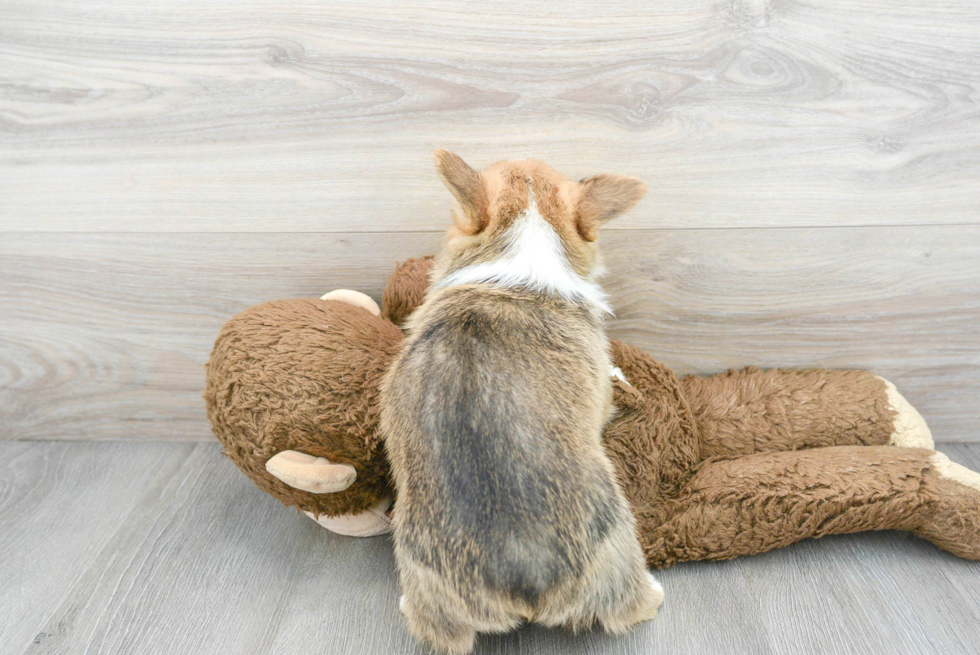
<point x="492" y="413"/>
<point x="505" y="192"/>
<point x="602" y="198"/>
<point x="746" y="461"/>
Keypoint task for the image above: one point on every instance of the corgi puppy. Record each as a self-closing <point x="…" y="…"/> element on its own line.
<point x="507" y="505"/>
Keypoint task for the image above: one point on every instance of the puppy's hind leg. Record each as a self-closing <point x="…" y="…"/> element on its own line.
<point x="623" y="592"/>
<point x="431" y="624"/>
<point x="640" y="603"/>
<point x="652" y="597"/>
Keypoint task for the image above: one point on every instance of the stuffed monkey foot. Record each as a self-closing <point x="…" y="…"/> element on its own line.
<point x="759" y="502"/>
<point x="950" y="470"/>
<point x="909" y="429"/>
<point x="952" y="520"/>
<point x="369" y="523"/>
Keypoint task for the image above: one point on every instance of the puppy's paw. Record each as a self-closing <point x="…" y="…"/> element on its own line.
<point x="642" y="606"/>
<point x="658" y="591"/>
<point x="441" y="634"/>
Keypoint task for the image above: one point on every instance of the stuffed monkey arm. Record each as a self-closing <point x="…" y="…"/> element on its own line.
<point x="318" y="475"/>
<point x="754" y="410"/>
<point x="406" y="288"/>
<point x="369" y="523"/>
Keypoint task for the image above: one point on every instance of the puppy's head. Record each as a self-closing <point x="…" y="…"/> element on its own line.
<point x="492" y="203"/>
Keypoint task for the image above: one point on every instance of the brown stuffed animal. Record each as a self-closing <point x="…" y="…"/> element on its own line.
<point x="733" y="464"/>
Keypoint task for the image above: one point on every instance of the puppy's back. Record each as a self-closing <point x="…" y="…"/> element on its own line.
<point x="495" y="409"/>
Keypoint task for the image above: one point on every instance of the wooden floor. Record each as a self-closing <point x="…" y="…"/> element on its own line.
<point x="157" y="548"/>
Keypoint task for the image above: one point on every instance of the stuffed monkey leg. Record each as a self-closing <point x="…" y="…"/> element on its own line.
<point x="759" y="502"/>
<point x="752" y="410"/>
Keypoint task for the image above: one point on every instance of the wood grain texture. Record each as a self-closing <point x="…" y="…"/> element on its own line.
<point x="903" y="303"/>
<point x="61" y="504"/>
<point x="205" y="563"/>
<point x="153" y="548"/>
<point x="718" y="590"/>
<point x="262" y="116"/>
<point x="887" y="587"/>
<point x="166" y="164"/>
<point x="104" y="336"/>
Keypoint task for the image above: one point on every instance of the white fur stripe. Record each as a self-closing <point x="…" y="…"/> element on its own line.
<point x="616" y="372"/>
<point x="535" y="260"/>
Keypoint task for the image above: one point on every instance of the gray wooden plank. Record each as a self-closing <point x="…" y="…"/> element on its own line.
<point x="202" y="562"/>
<point x="902" y="302"/>
<point x="208" y="564"/>
<point x="205" y="566"/>
<point x="260" y="116"/>
<point x="345" y="601"/>
<point x="717" y="590"/>
<point x="60" y="504"/>
<point x="104" y="336"/>
<point x="876" y="592"/>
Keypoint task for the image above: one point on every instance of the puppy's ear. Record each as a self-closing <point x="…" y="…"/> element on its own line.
<point x="603" y="198"/>
<point x="467" y="187"/>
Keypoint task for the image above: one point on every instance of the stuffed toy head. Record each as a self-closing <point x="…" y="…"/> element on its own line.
<point x="291" y="393"/>
<point x="296" y="406"/>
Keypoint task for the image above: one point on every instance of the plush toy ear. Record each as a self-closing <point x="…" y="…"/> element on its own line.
<point x="603" y="198"/>
<point x="314" y="474"/>
<point x="467" y="187"/>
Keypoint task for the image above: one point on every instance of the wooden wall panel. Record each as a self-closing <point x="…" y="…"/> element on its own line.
<point x="812" y="168"/>
<point x="263" y="116"/>
<point x="104" y="336"/>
